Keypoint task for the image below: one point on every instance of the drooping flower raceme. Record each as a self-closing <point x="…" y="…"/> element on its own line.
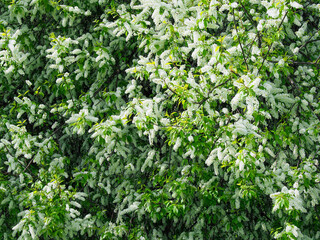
<point x="159" y="119"/>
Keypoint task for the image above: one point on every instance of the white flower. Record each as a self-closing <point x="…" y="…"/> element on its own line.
<point x="224" y="7"/>
<point x="295" y="5"/>
<point x="241" y="166"/>
<point x="19" y="225"/>
<point x="296" y="50"/>
<point x="31" y="230"/>
<point x="28" y="83"/>
<point x="281" y="62"/>
<point x="165" y="121"/>
<point x="76" y="204"/>
<point x="210" y="160"/>
<point x="273" y="12"/>
<point x="225" y="110"/>
<point x="196" y="36"/>
<point x="206" y="68"/>
<point x="235" y="101"/>
<point x="177" y="144"/>
<point x="232" y="50"/>
<point x="255" y="50"/>
<point x="9" y="70"/>
<point x="21" y="72"/>
<point x="234" y="5"/>
<point x="270" y="152"/>
<point x="76" y="51"/>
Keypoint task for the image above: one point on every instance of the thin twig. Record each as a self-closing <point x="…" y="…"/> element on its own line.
<point x="265" y="57"/>
<point x="309" y="40"/>
<point x="26" y="168"/>
<point x="219" y="85"/>
<point x="174" y="92"/>
<point x="243" y="54"/>
<point x="298" y="89"/>
<point x="300" y="63"/>
<point x="252" y="22"/>
<point x="21" y="163"/>
<point x="7" y="149"/>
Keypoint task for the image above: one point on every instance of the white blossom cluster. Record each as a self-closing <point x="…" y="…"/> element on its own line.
<point x="158" y="119"/>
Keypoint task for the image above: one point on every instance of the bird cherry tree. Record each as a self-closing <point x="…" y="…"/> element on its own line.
<point x="159" y="119"/>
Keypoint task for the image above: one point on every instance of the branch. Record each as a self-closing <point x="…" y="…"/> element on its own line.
<point x="306" y="63"/>
<point x="219" y="85"/>
<point x="264" y="59"/>
<point x="235" y="26"/>
<point x="252" y="22"/>
<point x="300" y="63"/>
<point x="8" y="149"/>
<point x="174" y="92"/>
<point x="69" y="89"/>
<point x="298" y="89"/>
<point x="21" y="163"/>
<point x="309" y="40"/>
<point x="26" y="168"/>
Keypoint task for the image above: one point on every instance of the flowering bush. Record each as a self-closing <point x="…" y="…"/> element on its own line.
<point x="159" y="119"/>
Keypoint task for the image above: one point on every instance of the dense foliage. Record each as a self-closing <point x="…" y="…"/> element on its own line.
<point x="159" y="119"/>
